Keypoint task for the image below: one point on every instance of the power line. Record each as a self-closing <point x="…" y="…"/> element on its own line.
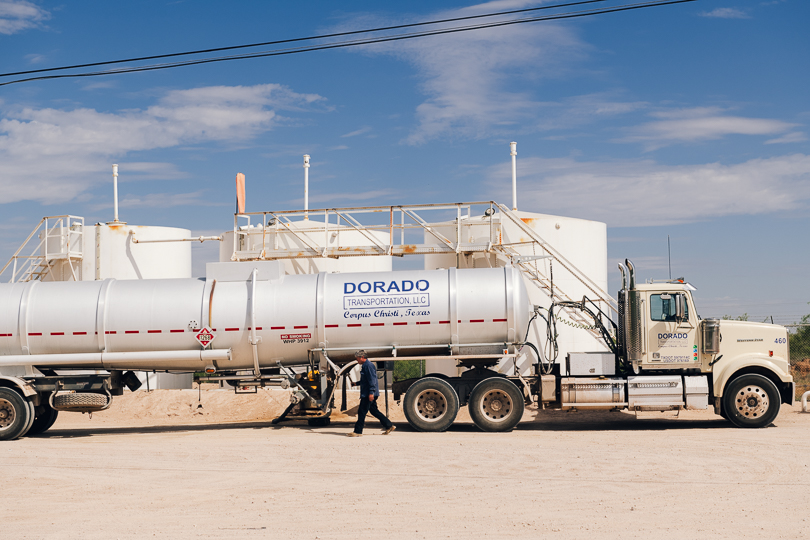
<point x="293" y="40"/>
<point x="352" y="43"/>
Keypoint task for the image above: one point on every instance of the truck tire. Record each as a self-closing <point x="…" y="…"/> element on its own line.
<point x="32" y="412"/>
<point x="431" y="404"/>
<point x="496" y="404"/>
<point x="15" y="414"/>
<point x="83" y="401"/>
<point x="751" y="401"/>
<point x="44" y="420"/>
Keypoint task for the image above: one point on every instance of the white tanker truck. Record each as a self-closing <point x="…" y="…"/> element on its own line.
<point x="249" y="324"/>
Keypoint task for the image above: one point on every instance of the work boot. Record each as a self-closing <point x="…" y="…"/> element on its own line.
<point x="353" y="434"/>
<point x="389" y="430"/>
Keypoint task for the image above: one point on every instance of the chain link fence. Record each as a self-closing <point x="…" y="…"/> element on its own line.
<point x="800" y="356"/>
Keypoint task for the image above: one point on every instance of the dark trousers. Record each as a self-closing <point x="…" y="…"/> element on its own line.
<point x="368" y="406"/>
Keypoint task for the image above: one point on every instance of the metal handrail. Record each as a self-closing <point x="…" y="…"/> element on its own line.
<point x="38" y="263"/>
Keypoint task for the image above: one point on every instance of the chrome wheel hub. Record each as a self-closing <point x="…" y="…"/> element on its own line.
<point x="497" y="405"/>
<point x="752" y="401"/>
<point x="431" y="405"/>
<point x="6" y="414"/>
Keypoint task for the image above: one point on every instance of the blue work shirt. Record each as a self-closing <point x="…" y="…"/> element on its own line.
<point x="368" y="380"/>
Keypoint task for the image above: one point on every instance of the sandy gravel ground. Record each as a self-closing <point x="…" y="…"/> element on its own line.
<point x="159" y="466"/>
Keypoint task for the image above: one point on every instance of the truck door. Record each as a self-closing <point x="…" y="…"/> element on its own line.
<point x="672" y="330"/>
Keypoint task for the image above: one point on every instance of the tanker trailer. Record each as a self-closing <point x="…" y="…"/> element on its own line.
<point x="248" y="323"/>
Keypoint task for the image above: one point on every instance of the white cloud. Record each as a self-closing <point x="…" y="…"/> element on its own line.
<point x="35" y="58"/>
<point x="52" y="155"/>
<point x="795" y="136"/>
<point x="355" y="133"/>
<point x="726" y="13"/>
<point x="469" y="78"/>
<point x="358" y="196"/>
<point x="646" y="193"/>
<point x="698" y="124"/>
<point x="18" y="15"/>
<point x="168" y="200"/>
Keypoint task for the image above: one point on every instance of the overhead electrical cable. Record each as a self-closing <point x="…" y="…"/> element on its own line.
<point x="293" y="40"/>
<point x="352" y="43"/>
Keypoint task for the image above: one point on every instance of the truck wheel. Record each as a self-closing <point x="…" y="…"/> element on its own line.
<point x="32" y="412"/>
<point x="431" y="404"/>
<point x="14" y="414"/>
<point x="751" y="401"/>
<point x="496" y="404"/>
<point x="43" y="421"/>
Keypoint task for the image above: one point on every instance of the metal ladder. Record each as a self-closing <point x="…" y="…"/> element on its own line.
<point x="54" y="238"/>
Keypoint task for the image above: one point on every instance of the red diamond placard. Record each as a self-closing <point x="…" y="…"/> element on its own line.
<point x="205" y="336"/>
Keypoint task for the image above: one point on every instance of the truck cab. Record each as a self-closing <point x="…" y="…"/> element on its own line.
<point x="746" y="364"/>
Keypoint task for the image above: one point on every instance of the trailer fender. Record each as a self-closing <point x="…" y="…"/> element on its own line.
<point x="23" y="386"/>
<point x="774" y="368"/>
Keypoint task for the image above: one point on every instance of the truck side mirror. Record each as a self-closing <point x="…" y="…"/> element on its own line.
<point x="680" y="307"/>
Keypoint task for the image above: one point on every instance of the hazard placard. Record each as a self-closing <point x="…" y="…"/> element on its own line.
<point x="205" y="336"/>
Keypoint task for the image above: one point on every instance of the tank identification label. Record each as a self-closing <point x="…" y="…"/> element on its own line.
<point x="295" y="338"/>
<point x="386" y="299"/>
<point x="205" y="337"/>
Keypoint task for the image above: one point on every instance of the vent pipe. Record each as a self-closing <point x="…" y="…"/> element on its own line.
<point x="115" y="193"/>
<point x="306" y="185"/>
<point x="513" y="147"/>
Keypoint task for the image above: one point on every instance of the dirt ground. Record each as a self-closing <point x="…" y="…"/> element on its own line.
<point x="159" y="466"/>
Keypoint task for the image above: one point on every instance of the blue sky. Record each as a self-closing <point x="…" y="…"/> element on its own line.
<point x="688" y="120"/>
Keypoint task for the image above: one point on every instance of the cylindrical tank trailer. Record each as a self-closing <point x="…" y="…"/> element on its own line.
<point x="252" y="308"/>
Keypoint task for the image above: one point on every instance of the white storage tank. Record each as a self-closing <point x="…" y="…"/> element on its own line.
<point x="122" y="252"/>
<point x="296" y="237"/>
<point x="582" y="242"/>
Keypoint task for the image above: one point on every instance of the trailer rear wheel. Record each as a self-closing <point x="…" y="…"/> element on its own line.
<point x="751" y="401"/>
<point x="15" y="414"/>
<point x="32" y="413"/>
<point x="496" y="404"/>
<point x="44" y="420"/>
<point x="431" y="404"/>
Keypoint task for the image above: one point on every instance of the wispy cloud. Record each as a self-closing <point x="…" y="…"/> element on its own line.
<point x="355" y="133"/>
<point x="35" y="58"/>
<point x="726" y="13"/>
<point x="699" y="124"/>
<point x="169" y="200"/>
<point x="19" y="15"/>
<point x="52" y="155"/>
<point x="358" y="196"/>
<point x="793" y="137"/>
<point x="468" y="78"/>
<point x="646" y="193"/>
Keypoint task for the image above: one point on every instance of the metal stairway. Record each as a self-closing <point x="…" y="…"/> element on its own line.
<point x="54" y="239"/>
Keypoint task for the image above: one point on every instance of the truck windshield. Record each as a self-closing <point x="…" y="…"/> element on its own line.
<point x="663" y="307"/>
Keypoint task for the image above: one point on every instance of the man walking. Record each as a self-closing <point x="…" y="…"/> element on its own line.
<point x="369" y="392"/>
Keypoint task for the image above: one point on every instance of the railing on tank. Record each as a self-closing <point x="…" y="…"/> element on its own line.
<point x="278" y="229"/>
<point x="297" y="234"/>
<point x="54" y="238"/>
